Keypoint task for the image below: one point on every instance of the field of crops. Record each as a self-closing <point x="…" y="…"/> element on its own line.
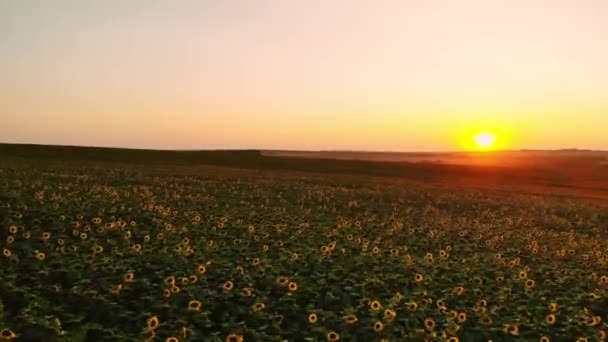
<point x="96" y="252"/>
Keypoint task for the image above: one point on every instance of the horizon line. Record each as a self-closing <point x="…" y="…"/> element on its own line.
<point x="309" y="151"/>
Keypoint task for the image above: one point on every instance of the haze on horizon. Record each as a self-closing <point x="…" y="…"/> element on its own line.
<point x="304" y="75"/>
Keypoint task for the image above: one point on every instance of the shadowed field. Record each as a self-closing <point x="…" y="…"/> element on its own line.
<point x="569" y="173"/>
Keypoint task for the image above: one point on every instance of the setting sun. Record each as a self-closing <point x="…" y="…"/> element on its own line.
<point x="485" y="140"/>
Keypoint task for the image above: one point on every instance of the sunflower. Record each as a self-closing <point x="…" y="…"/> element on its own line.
<point x="378" y="326"/>
<point x="13" y="229"/>
<point x="194" y="305"/>
<point x="129" y="277"/>
<point x="604" y="280"/>
<point x="7" y="334"/>
<point x="389" y="314"/>
<point x="375" y="305"/>
<point x="170" y="280"/>
<point x="116" y="289"/>
<point x="166" y="293"/>
<point x="46" y="236"/>
<point x="258" y="307"/>
<point x="240" y="270"/>
<point x="10" y="239"/>
<point x="265" y="248"/>
<point x="550" y="319"/>
<point x="592" y="296"/>
<point x="375" y="250"/>
<point x="83" y="236"/>
<point x="512" y="329"/>
<point x="185" y="281"/>
<point x="480" y="310"/>
<point x="255" y="261"/>
<point x="234" y="338"/>
<point x="193" y="279"/>
<point x="333" y="336"/>
<point x="40" y="256"/>
<point x="453" y="339"/>
<point x="172" y="339"/>
<point x="486" y="320"/>
<point x="201" y="269"/>
<point x="350" y="319"/>
<point x="228" y="286"/>
<point x="522" y="275"/>
<point x="530" y="284"/>
<point x="429" y="323"/>
<point x="97" y="249"/>
<point x="153" y="323"/>
<point x="312" y="318"/>
<point x="544" y="339"/>
<point x="462" y="317"/>
<point x="582" y="339"/>
<point x="419" y="277"/>
<point x="594" y="321"/>
<point x="459" y="290"/>
<point x="412" y="306"/>
<point x="247" y="292"/>
<point x="6" y="252"/>
<point x="293" y="287"/>
<point x="175" y="289"/>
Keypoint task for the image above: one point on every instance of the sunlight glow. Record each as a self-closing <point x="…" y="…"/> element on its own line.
<point x="485" y="140"/>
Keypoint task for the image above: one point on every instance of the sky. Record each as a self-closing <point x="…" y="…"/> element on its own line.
<point x="398" y="75"/>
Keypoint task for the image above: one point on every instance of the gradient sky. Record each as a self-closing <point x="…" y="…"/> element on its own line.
<point x="315" y="74"/>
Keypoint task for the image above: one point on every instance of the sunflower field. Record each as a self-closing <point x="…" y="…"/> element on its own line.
<point x="121" y="253"/>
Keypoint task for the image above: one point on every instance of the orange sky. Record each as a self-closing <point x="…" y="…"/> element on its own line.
<point x="364" y="75"/>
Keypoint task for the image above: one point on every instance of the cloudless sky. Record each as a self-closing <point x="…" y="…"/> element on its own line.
<point x="286" y="74"/>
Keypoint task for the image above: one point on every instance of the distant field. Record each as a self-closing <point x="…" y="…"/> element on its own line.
<point x="568" y="173"/>
<point x="504" y="158"/>
<point x="126" y="245"/>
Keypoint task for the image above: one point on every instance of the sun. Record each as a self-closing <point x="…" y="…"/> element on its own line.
<point x="485" y="140"/>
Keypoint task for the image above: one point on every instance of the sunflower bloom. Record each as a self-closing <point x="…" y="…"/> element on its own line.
<point x="312" y="318"/>
<point x="350" y="319"/>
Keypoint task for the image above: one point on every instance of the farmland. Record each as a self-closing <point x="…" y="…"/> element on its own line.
<point x="123" y="245"/>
